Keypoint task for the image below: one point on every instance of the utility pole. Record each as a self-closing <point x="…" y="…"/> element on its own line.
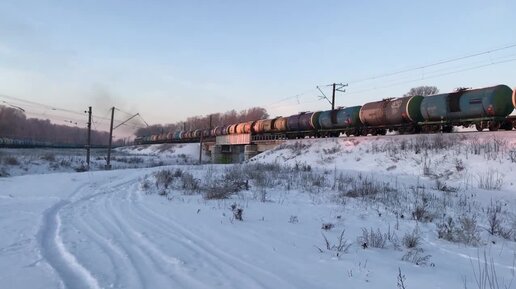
<point x="88" y="146"/>
<point x="211" y="116"/>
<point x="333" y="98"/>
<point x="200" y="150"/>
<point x="184" y="126"/>
<point x="336" y="87"/>
<point x="108" y="165"/>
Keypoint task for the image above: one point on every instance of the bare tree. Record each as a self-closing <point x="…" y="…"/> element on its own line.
<point x="422" y="90"/>
<point x="203" y="122"/>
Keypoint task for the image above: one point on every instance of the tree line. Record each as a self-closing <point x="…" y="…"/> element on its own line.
<point x="203" y="122"/>
<point x="15" y="124"/>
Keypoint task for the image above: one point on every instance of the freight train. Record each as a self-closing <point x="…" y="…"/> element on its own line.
<point x="485" y="108"/>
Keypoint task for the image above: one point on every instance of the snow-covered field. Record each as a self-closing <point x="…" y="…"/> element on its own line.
<point x="371" y="212"/>
<point x="16" y="162"/>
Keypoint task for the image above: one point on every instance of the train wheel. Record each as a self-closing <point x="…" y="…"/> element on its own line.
<point x="479" y="127"/>
<point x="494" y="126"/>
<point x="447" y="128"/>
<point x="507" y="125"/>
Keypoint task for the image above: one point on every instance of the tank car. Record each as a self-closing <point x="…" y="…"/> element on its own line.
<point x="302" y="124"/>
<point x="346" y="119"/>
<point x="232" y="129"/>
<point x="484" y="107"/>
<point x="244" y="127"/>
<point x="399" y="114"/>
<point x="280" y="125"/>
<point x="270" y="125"/>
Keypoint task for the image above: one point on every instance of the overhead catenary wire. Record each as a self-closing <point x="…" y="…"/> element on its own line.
<point x="52" y="112"/>
<point x="434" y="76"/>
<point x="420" y="67"/>
<point x="46" y="106"/>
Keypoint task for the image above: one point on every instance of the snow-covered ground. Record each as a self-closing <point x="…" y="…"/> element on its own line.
<point x="368" y="212"/>
<point x="16" y="162"/>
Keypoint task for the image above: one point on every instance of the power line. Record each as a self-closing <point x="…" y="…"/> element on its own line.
<point x="433" y="64"/>
<point x="436" y="75"/>
<point x="46" y="106"/>
<point x="53" y="108"/>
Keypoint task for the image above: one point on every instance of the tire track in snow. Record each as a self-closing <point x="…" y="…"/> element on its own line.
<point x="69" y="270"/>
<point x="163" y="264"/>
<point x="479" y="257"/>
<point x="117" y="257"/>
<point x="103" y="233"/>
<point x="136" y="264"/>
<point x="116" y="220"/>
<point x="146" y="254"/>
<point x="218" y="258"/>
<point x="53" y="249"/>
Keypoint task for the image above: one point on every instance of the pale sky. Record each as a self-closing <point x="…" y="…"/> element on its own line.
<point x="169" y="60"/>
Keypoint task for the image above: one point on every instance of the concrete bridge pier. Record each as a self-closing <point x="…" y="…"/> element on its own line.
<point x="250" y="151"/>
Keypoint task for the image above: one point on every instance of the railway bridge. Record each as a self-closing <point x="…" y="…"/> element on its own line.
<point x="237" y="148"/>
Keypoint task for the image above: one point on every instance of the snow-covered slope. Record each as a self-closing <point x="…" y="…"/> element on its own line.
<point x="334" y="213"/>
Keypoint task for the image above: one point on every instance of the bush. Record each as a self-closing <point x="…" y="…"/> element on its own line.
<point x="412" y="240"/>
<point x="512" y="156"/>
<point x="237" y="212"/>
<point x="164" y="179"/>
<point x="372" y="239"/>
<point x="495" y="221"/>
<point x="341" y="246"/>
<point x="12" y="161"/>
<point x="491" y="180"/>
<point x="415" y="256"/>
<point x="443" y="187"/>
<point x="81" y="168"/>
<point x="466" y="232"/>
<point x="217" y="192"/>
<point x="422" y="211"/>
<point x="366" y="187"/>
<point x="327" y="226"/>
<point x="446" y="230"/>
<point x="189" y="183"/>
<point x="4" y="173"/>
<point x="49" y="157"/>
<point x="145" y="186"/>
<point x="332" y="150"/>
